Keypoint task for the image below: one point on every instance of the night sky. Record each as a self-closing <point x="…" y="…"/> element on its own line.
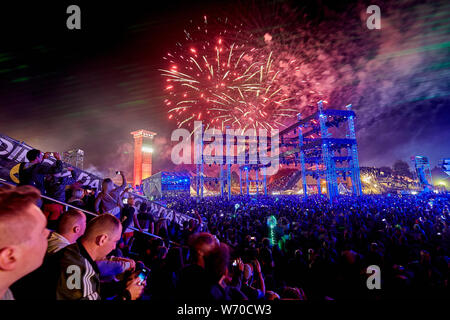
<point x="62" y="89"/>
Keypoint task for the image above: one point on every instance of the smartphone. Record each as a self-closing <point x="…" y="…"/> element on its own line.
<point x="125" y="201"/>
<point x="143" y="275"/>
<point x="235" y="263"/>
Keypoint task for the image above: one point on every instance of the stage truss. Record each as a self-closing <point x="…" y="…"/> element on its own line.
<point x="314" y="144"/>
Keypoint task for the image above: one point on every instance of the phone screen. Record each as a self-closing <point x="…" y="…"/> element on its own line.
<point x="143" y="275"/>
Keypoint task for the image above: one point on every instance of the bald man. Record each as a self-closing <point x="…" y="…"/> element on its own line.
<point x="23" y="235"/>
<point x="79" y="276"/>
<point x="71" y="227"/>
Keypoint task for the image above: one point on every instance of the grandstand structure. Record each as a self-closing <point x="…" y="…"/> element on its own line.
<point x="166" y="183"/>
<point x="322" y="145"/>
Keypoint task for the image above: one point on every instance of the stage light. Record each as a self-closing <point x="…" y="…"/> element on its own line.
<point x="147" y="149"/>
<point x="441" y="183"/>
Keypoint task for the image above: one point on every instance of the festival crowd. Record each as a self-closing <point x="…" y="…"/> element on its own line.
<point x="242" y="248"/>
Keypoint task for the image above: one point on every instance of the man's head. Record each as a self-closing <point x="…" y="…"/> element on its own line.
<point x="202" y="244"/>
<point x="34" y="155"/>
<point x="72" y="225"/>
<point x="216" y="262"/>
<point x="248" y="272"/>
<point x="130" y="201"/>
<point x="266" y="242"/>
<point x="78" y="194"/>
<point x="107" y="185"/>
<point x="143" y="207"/>
<point x="23" y="233"/>
<point x="101" y="236"/>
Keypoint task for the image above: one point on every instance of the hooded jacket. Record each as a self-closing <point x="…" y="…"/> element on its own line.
<point x="34" y="174"/>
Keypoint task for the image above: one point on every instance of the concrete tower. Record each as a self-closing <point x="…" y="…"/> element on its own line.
<point x="143" y="149"/>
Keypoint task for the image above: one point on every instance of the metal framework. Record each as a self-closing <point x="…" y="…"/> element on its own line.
<point x="225" y="163"/>
<point x="310" y="142"/>
<point x="422" y="173"/>
<point x="324" y="156"/>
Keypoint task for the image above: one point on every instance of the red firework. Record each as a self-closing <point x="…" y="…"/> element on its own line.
<point x="217" y="77"/>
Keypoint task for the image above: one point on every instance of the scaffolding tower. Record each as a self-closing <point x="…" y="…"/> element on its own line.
<point x="312" y="142"/>
<point x="322" y="155"/>
<point x="422" y="173"/>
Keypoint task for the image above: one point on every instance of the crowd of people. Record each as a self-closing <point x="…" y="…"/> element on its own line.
<point x="281" y="182"/>
<point x="322" y="250"/>
<point x="242" y="248"/>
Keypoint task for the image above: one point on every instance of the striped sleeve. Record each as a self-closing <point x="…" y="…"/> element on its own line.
<point x="89" y="292"/>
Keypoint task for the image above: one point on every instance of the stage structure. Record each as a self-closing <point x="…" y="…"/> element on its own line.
<point x="225" y="163"/>
<point x="143" y="149"/>
<point x="314" y="143"/>
<point x="75" y="157"/>
<point x="445" y="165"/>
<point x="166" y="183"/>
<point x="422" y="172"/>
<point x="321" y="151"/>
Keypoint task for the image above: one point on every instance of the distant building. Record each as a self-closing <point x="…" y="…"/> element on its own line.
<point x="143" y="149"/>
<point x="74" y="157"/>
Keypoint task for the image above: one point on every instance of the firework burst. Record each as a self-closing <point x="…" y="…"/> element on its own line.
<point x="218" y="77"/>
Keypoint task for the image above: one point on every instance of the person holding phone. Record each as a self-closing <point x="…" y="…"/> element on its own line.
<point x="55" y="185"/>
<point x="250" y="270"/>
<point x="35" y="170"/>
<point x="109" y="199"/>
<point x="53" y="280"/>
<point x="129" y="219"/>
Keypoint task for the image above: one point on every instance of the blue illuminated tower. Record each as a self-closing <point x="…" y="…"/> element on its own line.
<point x="302" y="156"/>
<point x="322" y="151"/>
<point x="354" y="162"/>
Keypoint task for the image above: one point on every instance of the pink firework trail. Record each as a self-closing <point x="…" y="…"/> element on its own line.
<point x="218" y="78"/>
